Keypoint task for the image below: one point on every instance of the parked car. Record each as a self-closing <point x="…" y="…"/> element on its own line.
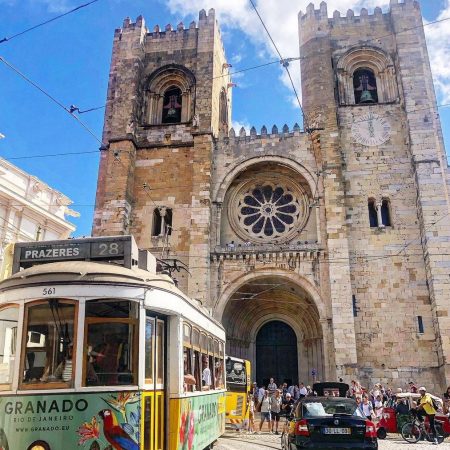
<point x="329" y="422"/>
<point x="390" y="424"/>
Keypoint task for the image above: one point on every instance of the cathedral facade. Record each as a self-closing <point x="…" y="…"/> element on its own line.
<point x="324" y="250"/>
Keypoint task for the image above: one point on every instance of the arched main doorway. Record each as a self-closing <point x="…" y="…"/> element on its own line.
<point x="266" y="298"/>
<point x="276" y="354"/>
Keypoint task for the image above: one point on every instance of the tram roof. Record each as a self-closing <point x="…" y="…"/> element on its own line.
<point x="87" y="272"/>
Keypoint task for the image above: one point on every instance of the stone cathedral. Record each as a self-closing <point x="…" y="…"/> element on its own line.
<point x="324" y="249"/>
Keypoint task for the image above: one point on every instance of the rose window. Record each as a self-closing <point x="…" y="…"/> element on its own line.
<point x="269" y="211"/>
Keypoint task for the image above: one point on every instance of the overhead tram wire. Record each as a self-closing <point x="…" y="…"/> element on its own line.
<point x="53" y="99"/>
<point x="7" y="39"/>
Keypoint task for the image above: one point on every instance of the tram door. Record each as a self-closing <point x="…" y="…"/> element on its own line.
<point x="153" y="396"/>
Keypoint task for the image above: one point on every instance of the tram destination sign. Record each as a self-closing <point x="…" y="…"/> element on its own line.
<point x="113" y="248"/>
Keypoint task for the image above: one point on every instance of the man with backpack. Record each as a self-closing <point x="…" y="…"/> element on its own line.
<point x="426" y="408"/>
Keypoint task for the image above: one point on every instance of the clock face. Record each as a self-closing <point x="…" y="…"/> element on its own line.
<point x="371" y="130"/>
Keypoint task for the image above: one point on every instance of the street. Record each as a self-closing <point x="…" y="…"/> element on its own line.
<point x="235" y="441"/>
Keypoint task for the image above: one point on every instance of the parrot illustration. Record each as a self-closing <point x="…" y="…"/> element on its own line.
<point x="114" y="434"/>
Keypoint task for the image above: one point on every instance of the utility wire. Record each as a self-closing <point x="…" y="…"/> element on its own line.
<point x="7" y="39"/>
<point x="53" y="99"/>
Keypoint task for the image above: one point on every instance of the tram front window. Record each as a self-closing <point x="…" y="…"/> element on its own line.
<point x="111" y="340"/>
<point x="48" y="344"/>
<point x="9" y="317"/>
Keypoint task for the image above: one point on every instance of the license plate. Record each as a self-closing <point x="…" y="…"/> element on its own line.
<point x="337" y="431"/>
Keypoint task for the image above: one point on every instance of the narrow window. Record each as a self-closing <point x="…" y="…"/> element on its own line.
<point x="365" y="86"/>
<point x="111" y="343"/>
<point x="385" y="213"/>
<point x="162" y="222"/>
<point x="157" y="222"/>
<point x="172" y="105"/>
<point x="223" y="110"/>
<point x="149" y="349"/>
<point x="420" y="324"/>
<point x="9" y="318"/>
<point x="373" y="219"/>
<point x="49" y="343"/>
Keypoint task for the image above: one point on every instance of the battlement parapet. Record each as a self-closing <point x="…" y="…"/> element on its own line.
<point x="275" y="134"/>
<point x="321" y="14"/>
<point x="169" y="31"/>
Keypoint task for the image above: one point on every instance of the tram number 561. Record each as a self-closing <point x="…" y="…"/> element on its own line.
<point x="49" y="291"/>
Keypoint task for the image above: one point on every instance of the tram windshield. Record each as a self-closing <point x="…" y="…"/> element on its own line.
<point x="236" y="375"/>
<point x="111" y="343"/>
<point x="49" y="340"/>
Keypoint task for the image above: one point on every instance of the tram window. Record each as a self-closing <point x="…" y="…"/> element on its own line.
<point x="149" y="350"/>
<point x="211" y="366"/>
<point x="111" y="343"/>
<point x="187" y="333"/>
<point x="189" y="379"/>
<point x="218" y="373"/>
<point x="216" y="347"/>
<point x="197" y="370"/>
<point x="206" y="373"/>
<point x="195" y="337"/>
<point x="160" y="352"/>
<point x="49" y="340"/>
<point x="9" y="318"/>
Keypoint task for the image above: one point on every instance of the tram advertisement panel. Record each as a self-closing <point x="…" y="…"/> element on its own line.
<point x="99" y="421"/>
<point x="201" y="422"/>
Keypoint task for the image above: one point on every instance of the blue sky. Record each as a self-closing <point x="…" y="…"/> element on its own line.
<point x="70" y="58"/>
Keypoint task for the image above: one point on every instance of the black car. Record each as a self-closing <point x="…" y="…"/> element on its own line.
<point x="329" y="422"/>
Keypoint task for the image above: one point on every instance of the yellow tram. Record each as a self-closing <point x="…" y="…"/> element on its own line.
<point x="237" y="372"/>
<point x="98" y="352"/>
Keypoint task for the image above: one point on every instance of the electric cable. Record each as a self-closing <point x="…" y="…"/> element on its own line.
<point x="7" y="39"/>
<point x="53" y="99"/>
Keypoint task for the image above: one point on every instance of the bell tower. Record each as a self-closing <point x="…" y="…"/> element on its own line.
<point x="367" y="83"/>
<point x="168" y="97"/>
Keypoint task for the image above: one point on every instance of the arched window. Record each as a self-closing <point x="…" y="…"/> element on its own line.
<point x="373" y="219"/>
<point x="172" y="105"/>
<point x="223" y="111"/>
<point x="385" y="213"/>
<point x="162" y="222"/>
<point x="170" y="96"/>
<point x="365" y="86"/>
<point x="366" y="75"/>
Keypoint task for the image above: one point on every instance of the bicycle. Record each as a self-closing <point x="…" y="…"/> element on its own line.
<point x="416" y="430"/>
<point x="288" y="415"/>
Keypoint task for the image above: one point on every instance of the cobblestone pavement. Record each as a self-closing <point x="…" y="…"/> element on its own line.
<point x="265" y="441"/>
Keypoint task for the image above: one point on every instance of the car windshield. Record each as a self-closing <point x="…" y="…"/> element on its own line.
<point x="325" y="408"/>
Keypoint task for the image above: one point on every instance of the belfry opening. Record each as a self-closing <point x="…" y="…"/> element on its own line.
<point x="274" y="322"/>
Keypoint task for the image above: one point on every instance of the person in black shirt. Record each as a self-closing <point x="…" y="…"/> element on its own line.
<point x="402" y="412"/>
<point x="447" y="400"/>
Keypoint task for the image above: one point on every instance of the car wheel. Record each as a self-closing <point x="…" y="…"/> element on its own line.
<point x="381" y="433"/>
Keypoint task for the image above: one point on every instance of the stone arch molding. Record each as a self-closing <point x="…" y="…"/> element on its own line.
<point x="369" y="58"/>
<point x="295" y="278"/>
<point x="307" y="173"/>
<point x="159" y="82"/>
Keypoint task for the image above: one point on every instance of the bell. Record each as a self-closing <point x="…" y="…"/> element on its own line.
<point x="366" y="97"/>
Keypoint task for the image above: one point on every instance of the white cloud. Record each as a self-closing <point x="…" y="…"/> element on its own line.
<point x="237" y="125"/>
<point x="280" y="17"/>
<point x="438" y="38"/>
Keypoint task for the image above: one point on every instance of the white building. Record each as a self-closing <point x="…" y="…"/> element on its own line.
<point x="30" y="209"/>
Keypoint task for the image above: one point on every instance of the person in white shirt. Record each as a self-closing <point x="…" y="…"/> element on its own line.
<point x="272" y="387"/>
<point x="266" y="403"/>
<point x="303" y="391"/>
<point x="206" y="374"/>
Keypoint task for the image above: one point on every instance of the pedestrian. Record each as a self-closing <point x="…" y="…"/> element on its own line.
<point x="378" y="407"/>
<point x="412" y="387"/>
<point x="366" y="407"/>
<point x="303" y="392"/>
<point x="401" y="412"/>
<point x="275" y="409"/>
<point x="284" y="388"/>
<point x="251" y="412"/>
<point x="265" y="410"/>
<point x="425" y="408"/>
<point x="355" y="389"/>
<point x="272" y="387"/>
<point x="261" y="392"/>
<point x="447" y="401"/>
<point x="309" y="391"/>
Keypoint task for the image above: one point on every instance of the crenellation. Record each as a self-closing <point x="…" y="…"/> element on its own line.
<point x="274" y="129"/>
